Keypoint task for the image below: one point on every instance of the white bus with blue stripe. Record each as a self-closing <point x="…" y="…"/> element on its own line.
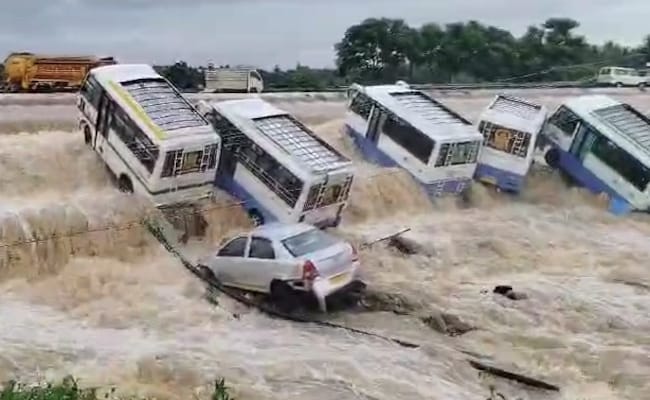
<point x="510" y="127"/>
<point x="393" y="125"/>
<point x="276" y="166"/>
<point x="603" y="145"/>
<point x="150" y="137"/>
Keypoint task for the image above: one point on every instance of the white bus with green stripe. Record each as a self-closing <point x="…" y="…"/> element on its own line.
<point x="150" y="137"/>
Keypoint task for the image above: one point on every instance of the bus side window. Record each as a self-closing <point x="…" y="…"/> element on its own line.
<point x="564" y="120"/>
<point x="409" y="138"/>
<point x="361" y="105"/>
<point x="631" y="169"/>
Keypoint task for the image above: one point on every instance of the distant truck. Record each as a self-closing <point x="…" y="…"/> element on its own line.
<point x="233" y="80"/>
<point x="28" y="72"/>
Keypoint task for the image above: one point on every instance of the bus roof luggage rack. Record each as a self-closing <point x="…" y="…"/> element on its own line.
<point x="294" y="138"/>
<point x="629" y="122"/>
<point x="166" y="107"/>
<point x="516" y="106"/>
<point x="427" y="108"/>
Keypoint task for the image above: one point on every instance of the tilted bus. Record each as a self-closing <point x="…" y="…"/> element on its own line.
<point x="277" y="166"/>
<point x="510" y="127"/>
<point x="393" y="125"/>
<point x="149" y="136"/>
<point x="603" y="145"/>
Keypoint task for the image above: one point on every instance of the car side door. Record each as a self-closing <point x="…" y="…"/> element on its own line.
<point x="264" y="263"/>
<point x="228" y="264"/>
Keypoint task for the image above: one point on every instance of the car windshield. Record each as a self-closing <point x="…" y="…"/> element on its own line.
<point x="308" y="242"/>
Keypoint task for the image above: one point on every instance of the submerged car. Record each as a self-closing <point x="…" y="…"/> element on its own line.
<point x="286" y="261"/>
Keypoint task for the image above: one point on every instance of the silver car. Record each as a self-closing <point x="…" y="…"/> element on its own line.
<point x="283" y="260"/>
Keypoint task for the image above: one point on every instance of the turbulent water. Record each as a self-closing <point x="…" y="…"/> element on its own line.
<point x="113" y="308"/>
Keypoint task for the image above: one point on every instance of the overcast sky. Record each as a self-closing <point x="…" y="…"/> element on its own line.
<point x="269" y="32"/>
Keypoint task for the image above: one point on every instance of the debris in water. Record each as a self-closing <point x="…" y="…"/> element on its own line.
<point x="447" y="324"/>
<point x="373" y="300"/>
<point x="496" y="371"/>
<point x="507" y="291"/>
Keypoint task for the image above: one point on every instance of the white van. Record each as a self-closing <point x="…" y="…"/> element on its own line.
<point x="619" y="77"/>
<point x="231" y="80"/>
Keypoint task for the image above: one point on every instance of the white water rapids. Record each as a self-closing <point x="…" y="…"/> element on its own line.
<point x="113" y="308"/>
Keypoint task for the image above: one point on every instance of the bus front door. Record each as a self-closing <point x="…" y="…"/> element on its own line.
<point x="375" y="123"/>
<point x="102" y="124"/>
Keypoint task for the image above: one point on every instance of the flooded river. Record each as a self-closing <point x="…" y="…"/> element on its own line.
<point x="113" y="308"/>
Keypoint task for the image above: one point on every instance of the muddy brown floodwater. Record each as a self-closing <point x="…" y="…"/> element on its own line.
<point x="113" y="308"/>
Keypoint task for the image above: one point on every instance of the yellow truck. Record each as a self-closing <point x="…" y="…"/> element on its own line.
<point x="27" y="72"/>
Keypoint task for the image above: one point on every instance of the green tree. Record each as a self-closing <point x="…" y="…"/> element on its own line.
<point x="376" y="48"/>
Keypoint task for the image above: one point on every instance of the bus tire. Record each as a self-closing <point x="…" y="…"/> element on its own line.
<point x="552" y="158"/>
<point x="256" y="217"/>
<point x="124" y="184"/>
<point x="87" y="135"/>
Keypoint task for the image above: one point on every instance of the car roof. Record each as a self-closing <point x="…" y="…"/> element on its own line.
<point x="281" y="231"/>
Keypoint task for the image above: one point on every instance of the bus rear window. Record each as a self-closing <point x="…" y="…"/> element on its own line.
<point x="191" y="161"/>
<point x="504" y="139"/>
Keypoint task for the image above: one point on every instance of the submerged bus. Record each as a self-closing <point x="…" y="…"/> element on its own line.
<point x="603" y="145"/>
<point x="149" y="136"/>
<point x="510" y="127"/>
<point x="393" y="125"/>
<point x="277" y="166"/>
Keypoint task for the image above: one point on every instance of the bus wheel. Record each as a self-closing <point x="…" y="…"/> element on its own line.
<point x="124" y="184"/>
<point x="552" y="158"/>
<point x="256" y="217"/>
<point x="87" y="135"/>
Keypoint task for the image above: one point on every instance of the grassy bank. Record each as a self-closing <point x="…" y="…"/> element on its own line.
<point x="68" y="389"/>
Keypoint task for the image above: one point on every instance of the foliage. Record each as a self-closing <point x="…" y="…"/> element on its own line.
<point x="69" y="390"/>
<point x="388" y="49"/>
<point x="380" y="50"/>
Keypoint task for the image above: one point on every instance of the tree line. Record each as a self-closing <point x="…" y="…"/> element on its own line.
<point x="382" y="50"/>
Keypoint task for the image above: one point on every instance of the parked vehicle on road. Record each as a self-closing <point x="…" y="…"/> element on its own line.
<point x="28" y="72"/>
<point x="619" y="77"/>
<point x="233" y="80"/>
<point x="286" y="261"/>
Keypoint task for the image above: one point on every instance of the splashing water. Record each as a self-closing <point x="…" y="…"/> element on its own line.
<point x="113" y="308"/>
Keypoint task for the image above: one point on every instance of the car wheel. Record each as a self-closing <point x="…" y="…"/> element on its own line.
<point x="282" y="295"/>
